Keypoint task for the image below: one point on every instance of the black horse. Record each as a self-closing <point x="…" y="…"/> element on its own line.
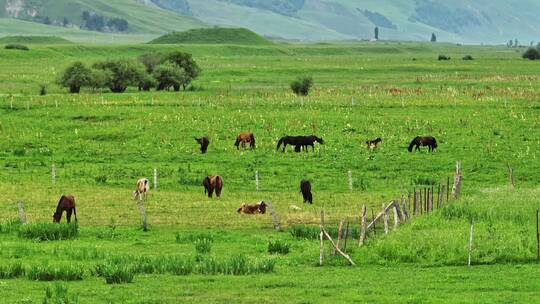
<point x="423" y="141"/>
<point x="204" y="142"/>
<point x="305" y="188"/>
<point x="299" y="142"/>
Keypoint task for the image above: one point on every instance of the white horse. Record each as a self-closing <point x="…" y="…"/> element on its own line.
<point x="141" y="189"/>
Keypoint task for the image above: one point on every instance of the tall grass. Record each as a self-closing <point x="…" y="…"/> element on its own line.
<point x="46" y="272"/>
<point x="59" y="295"/>
<point x="11" y="270"/>
<point x="278" y="246"/>
<point x="115" y="273"/>
<point x="49" y="231"/>
<point x="10" y="225"/>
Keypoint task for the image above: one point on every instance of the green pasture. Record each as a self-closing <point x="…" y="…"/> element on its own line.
<point x="484" y="113"/>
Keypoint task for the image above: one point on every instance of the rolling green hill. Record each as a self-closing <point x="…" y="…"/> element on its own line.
<point x="34" y="40"/>
<point x="212" y="36"/>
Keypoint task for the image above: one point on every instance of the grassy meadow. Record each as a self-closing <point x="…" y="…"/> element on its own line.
<point x="484" y="112"/>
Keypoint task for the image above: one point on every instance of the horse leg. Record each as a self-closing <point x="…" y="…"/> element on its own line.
<point x="68" y="215"/>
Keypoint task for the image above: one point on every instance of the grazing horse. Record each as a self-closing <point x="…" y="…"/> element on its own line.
<point x="372" y="144"/>
<point x="305" y="188"/>
<point x="141" y="189"/>
<point x="211" y="183"/>
<point x="299" y="142"/>
<point x="66" y="203"/>
<point x="252" y="208"/>
<point x="204" y="142"/>
<point x="418" y="141"/>
<point x="244" y="138"/>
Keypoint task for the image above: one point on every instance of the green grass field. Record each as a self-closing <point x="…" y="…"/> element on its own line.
<point x="484" y="113"/>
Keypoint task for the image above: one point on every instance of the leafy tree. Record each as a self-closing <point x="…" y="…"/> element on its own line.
<point x="123" y="73"/>
<point x="118" y="24"/>
<point x="75" y="76"/>
<point x="377" y="33"/>
<point x="150" y="61"/>
<point x="185" y="62"/>
<point x="147" y="82"/>
<point x="532" y="54"/>
<point x="168" y="75"/>
<point x="302" y="85"/>
<point x="433" y="37"/>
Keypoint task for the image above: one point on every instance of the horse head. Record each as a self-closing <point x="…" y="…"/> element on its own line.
<point x="262" y="208"/>
<point x="57" y="217"/>
<point x="319" y="140"/>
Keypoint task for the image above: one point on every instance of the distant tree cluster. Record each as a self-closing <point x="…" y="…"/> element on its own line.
<point x="94" y="22"/>
<point x="163" y="72"/>
<point x="532" y="54"/>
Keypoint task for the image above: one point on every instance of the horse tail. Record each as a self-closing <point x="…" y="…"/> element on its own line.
<point x="413" y="142"/>
<point x="280" y="142"/>
<point x="218" y="185"/>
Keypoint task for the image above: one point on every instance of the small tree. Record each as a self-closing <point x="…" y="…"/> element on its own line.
<point x="185" y="62"/>
<point x="302" y="85"/>
<point x="168" y="75"/>
<point x="433" y="37"/>
<point x="150" y="61"/>
<point x="376" y="33"/>
<point x="123" y="73"/>
<point x="75" y="76"/>
<point x="532" y="54"/>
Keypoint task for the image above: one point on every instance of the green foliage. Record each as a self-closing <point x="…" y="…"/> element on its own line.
<point x="216" y="35"/>
<point x="168" y="75"/>
<point x="203" y="246"/>
<point x="46" y="272"/>
<point x="123" y="73"/>
<point x="59" y="295"/>
<point x="302" y="85"/>
<point x="531" y="54"/>
<point x="49" y="231"/>
<point x="468" y="57"/>
<point x="20" y="47"/>
<point x="278" y="246"/>
<point x="443" y="58"/>
<point x="75" y="76"/>
<point x="10" y="225"/>
<point x="185" y="66"/>
<point x="42" y="90"/>
<point x="115" y="273"/>
<point x="11" y="270"/>
<point x="192" y="237"/>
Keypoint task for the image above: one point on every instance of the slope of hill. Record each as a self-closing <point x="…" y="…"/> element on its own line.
<point x="472" y="21"/>
<point x="212" y="36"/>
<point x="34" y="40"/>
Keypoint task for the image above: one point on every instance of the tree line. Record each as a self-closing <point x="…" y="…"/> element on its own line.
<point x="174" y="71"/>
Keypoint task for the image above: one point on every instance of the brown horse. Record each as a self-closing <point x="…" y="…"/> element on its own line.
<point x="252" y="208"/>
<point x="244" y="138"/>
<point x="418" y="141"/>
<point x="305" y="188"/>
<point x="213" y="183"/>
<point x="66" y="203"/>
<point x="204" y="142"/>
<point x="372" y="144"/>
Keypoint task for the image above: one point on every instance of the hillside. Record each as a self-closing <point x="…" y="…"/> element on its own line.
<point x="34" y="40"/>
<point x="471" y="21"/>
<point x="212" y="36"/>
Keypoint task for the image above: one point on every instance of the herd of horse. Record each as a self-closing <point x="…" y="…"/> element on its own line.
<point x="214" y="183"/>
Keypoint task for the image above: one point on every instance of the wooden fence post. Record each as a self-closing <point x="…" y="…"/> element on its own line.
<point x="155" y="179"/>
<point x="396" y="216"/>
<point x="537" y="237"/>
<point x="53" y="173"/>
<point x="441" y="195"/>
<point x="385" y="219"/>
<point x="471" y="241"/>
<point x="374" y="223"/>
<point x="511" y="177"/>
<point x="321" y="236"/>
<point x="275" y="218"/>
<point x="340" y="235"/>
<point x="447" y="189"/>
<point x="346" y="237"/>
<point x="143" y="215"/>
<point x="350" y="181"/>
<point x="405" y="210"/>
<point x="257" y="181"/>
<point x="456" y="189"/>
<point x="22" y="214"/>
<point x="362" y="226"/>
<point x="415" y="203"/>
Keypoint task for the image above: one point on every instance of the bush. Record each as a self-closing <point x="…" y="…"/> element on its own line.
<point x="203" y="246"/>
<point x="115" y="273"/>
<point x="443" y="57"/>
<point x="59" y="295"/>
<point x="531" y="54"/>
<point x="16" y="47"/>
<point x="75" y="76"/>
<point x="12" y="270"/>
<point x="168" y="75"/>
<point x="468" y="57"/>
<point x="46" y="272"/>
<point x="187" y="66"/>
<point x="278" y="246"/>
<point x="49" y="231"/>
<point x="302" y="85"/>
<point x="121" y="73"/>
<point x="42" y="89"/>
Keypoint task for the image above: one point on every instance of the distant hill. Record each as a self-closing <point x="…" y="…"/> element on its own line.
<point x="212" y="36"/>
<point x="34" y="40"/>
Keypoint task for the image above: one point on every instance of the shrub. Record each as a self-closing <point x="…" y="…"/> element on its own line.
<point x="59" y="295"/>
<point x="49" y="231"/>
<point x="115" y="273"/>
<point x="468" y="57"/>
<point x="189" y="69"/>
<point x="531" y="54"/>
<point x="75" y="76"/>
<point x="121" y="73"/>
<point x="42" y="89"/>
<point x="150" y="61"/>
<point x="190" y="237"/>
<point x="12" y="270"/>
<point x="278" y="246"/>
<point x="167" y="75"/>
<point x="21" y="47"/>
<point x="203" y="246"/>
<point x="46" y="272"/>
<point x="443" y="57"/>
<point x="302" y="85"/>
